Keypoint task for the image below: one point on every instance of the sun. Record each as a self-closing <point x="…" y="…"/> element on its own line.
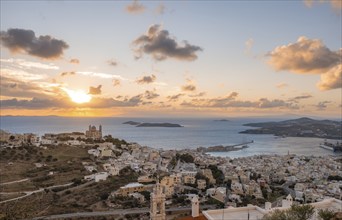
<point x="78" y="96"/>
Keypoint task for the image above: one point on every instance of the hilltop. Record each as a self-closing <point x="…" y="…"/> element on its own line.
<point x="301" y="127"/>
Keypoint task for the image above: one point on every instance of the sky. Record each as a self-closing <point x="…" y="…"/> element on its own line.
<point x="171" y="58"/>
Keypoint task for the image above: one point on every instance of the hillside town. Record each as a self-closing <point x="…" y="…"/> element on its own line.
<point x="164" y="179"/>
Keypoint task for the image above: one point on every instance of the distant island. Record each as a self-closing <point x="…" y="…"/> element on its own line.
<point x="301" y="127"/>
<point x="222" y="120"/>
<point x="131" y="123"/>
<point x="165" y="125"/>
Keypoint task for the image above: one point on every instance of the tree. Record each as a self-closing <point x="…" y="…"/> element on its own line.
<point x="217" y="174"/>
<point x="276" y="215"/>
<point x="301" y="212"/>
<point x="296" y="212"/>
<point x="326" y="214"/>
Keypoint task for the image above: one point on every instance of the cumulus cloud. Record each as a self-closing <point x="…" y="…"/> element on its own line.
<point x="304" y="56"/>
<point x="25" y="41"/>
<point x="158" y="43"/>
<point x="146" y="79"/>
<point x="116" y="82"/>
<point x="189" y="87"/>
<point x="309" y="56"/>
<point x="68" y="73"/>
<point x="74" y="61"/>
<point x="95" y="90"/>
<point x="28" y="64"/>
<point x="135" y="7"/>
<point x="332" y="79"/>
<point x="151" y="94"/>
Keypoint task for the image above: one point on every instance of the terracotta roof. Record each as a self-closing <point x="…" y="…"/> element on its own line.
<point x="200" y="217"/>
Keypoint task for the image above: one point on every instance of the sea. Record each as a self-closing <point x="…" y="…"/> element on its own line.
<point x="196" y="132"/>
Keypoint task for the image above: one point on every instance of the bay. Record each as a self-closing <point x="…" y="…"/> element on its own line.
<point x="196" y="132"/>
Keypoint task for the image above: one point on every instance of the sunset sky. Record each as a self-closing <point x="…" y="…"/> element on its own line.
<point x="171" y="58"/>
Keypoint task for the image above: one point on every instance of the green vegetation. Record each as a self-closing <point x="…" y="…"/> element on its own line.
<point x="217" y="174"/>
<point x="117" y="142"/>
<point x="326" y="214"/>
<point x="186" y="158"/>
<point x="296" y="212"/>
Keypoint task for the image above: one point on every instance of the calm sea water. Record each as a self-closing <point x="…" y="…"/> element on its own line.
<point x="195" y="133"/>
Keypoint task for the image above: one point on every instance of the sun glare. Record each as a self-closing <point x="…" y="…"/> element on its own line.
<point x="79" y="96"/>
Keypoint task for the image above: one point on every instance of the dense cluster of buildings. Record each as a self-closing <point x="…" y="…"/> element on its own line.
<point x="305" y="179"/>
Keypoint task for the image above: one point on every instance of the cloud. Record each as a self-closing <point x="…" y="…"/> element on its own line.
<point x="248" y="45"/>
<point x="74" y="61"/>
<point x="112" y="62"/>
<point x="12" y="87"/>
<point x="230" y="101"/>
<point x="101" y="75"/>
<point x="65" y="103"/>
<point x="335" y="4"/>
<point x="146" y="79"/>
<point x="304" y="56"/>
<point x="28" y="64"/>
<point x="332" y="79"/>
<point x="200" y="94"/>
<point x="189" y="87"/>
<point x="174" y="98"/>
<point x="95" y="90"/>
<point x="276" y="103"/>
<point x="160" y="9"/>
<point x="309" y="56"/>
<point x="282" y="85"/>
<point x="25" y="41"/>
<point x="322" y="105"/>
<point x="21" y="75"/>
<point x="297" y="98"/>
<point x="68" y="73"/>
<point x="34" y="103"/>
<point x="135" y="8"/>
<point x="151" y="94"/>
<point x="116" y="82"/>
<point x="157" y="43"/>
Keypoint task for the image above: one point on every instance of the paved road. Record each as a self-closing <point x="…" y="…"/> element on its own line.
<point x="28" y="193"/>
<point x="16" y="181"/>
<point x="106" y="213"/>
<point x="115" y="212"/>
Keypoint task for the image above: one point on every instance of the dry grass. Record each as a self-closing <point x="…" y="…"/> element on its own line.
<point x="14" y="172"/>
